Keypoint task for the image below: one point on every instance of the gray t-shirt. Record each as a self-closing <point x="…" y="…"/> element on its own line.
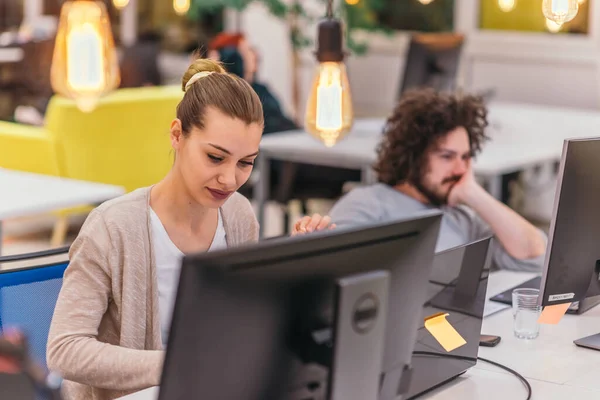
<point x="460" y="225"/>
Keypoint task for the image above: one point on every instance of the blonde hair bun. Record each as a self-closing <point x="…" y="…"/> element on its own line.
<point x="201" y="65"/>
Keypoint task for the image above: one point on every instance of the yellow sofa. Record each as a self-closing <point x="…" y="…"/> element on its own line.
<point x="124" y="141"/>
<point x="27" y="148"/>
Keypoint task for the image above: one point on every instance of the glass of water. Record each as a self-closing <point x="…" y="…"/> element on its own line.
<point x="526" y="312"/>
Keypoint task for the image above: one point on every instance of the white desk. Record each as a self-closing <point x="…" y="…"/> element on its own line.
<point x="553" y="365"/>
<point x="24" y="194"/>
<point x="521" y="135"/>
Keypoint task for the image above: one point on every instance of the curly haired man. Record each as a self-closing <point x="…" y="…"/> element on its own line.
<point x="424" y="162"/>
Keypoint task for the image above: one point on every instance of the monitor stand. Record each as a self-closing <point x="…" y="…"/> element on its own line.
<point x="359" y="332"/>
<point x="590" y="342"/>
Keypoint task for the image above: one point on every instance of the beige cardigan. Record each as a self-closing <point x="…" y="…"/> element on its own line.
<point x="105" y="337"/>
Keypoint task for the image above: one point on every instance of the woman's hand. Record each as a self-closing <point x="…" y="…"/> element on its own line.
<point x="312" y="224"/>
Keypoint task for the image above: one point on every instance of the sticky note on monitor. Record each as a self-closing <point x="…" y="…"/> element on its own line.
<point x="553" y="314"/>
<point x="443" y="332"/>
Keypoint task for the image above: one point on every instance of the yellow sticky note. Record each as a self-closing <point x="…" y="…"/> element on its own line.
<point x="553" y="314"/>
<point x="443" y="332"/>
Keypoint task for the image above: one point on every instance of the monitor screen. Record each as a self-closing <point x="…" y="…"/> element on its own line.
<point x="572" y="256"/>
<point x="259" y="322"/>
<point x="432" y="61"/>
<point x="457" y="286"/>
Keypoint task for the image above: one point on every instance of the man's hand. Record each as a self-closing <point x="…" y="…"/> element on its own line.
<point x="312" y="224"/>
<point x="463" y="191"/>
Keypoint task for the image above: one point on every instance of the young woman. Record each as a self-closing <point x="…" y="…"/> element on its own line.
<point x="110" y="323"/>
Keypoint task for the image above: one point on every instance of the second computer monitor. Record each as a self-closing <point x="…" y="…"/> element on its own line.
<point x="573" y="253"/>
<point x="457" y="286"/>
<point x="432" y="61"/>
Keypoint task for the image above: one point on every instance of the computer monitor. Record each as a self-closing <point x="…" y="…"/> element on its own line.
<point x="457" y="286"/>
<point x="302" y="318"/>
<point x="432" y="61"/>
<point x="572" y="264"/>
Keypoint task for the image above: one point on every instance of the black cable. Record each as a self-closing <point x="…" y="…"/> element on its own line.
<point x="330" y="9"/>
<point x="512" y="371"/>
<point x="515" y="373"/>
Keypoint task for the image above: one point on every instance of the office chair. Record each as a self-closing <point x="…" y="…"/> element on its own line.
<point x="28" y="297"/>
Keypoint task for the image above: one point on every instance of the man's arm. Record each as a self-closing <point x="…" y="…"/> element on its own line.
<point x="355" y="209"/>
<point x="517" y="236"/>
<point x="477" y="229"/>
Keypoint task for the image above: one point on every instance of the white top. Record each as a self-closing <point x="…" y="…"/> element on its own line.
<point x="24" y="194"/>
<point x="168" y="265"/>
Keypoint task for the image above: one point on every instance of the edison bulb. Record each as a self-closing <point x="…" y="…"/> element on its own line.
<point x="181" y="7"/>
<point x="84" y="64"/>
<point x="352" y="2"/>
<point x="560" y="11"/>
<point x="120" y="4"/>
<point x="552" y="26"/>
<point x="329" y="114"/>
<point x="507" y="5"/>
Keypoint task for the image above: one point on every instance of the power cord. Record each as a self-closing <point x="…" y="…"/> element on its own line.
<point x="515" y="373"/>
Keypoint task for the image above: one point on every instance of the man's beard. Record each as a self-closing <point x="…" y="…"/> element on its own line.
<point x="432" y="196"/>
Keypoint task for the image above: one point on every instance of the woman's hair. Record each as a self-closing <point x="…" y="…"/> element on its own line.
<point x="419" y="120"/>
<point x="216" y="88"/>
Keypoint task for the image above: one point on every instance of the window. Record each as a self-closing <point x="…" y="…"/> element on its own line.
<point x="526" y="16"/>
<point x="405" y="15"/>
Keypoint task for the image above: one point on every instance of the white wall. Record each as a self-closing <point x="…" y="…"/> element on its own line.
<point x="270" y="37"/>
<point x="536" y="68"/>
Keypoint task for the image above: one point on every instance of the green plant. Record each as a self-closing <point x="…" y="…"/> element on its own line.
<point x="297" y="15"/>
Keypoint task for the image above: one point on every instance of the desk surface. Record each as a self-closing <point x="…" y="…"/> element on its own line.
<point x="521" y="135"/>
<point x="24" y="194"/>
<point x="554" y="366"/>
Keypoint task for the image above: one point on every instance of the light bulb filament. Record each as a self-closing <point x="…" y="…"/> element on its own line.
<point x="84" y="55"/>
<point x="329" y="100"/>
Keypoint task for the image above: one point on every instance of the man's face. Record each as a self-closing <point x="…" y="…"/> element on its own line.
<point x="446" y="162"/>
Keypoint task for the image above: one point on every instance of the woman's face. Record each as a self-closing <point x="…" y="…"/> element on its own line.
<point x="217" y="160"/>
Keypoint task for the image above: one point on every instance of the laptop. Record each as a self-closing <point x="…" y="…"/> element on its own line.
<point x="457" y="286"/>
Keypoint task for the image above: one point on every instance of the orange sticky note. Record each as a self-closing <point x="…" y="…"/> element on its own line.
<point x="443" y="332"/>
<point x="553" y="314"/>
